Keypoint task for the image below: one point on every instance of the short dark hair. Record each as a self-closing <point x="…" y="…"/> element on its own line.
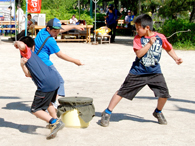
<point x="29" y="41"/>
<point x="111" y="7"/>
<point x="50" y="27"/>
<point x="10" y="7"/>
<point x="144" y="20"/>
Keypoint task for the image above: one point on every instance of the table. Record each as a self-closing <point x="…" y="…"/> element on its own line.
<point x="2" y="23"/>
<point x="87" y="37"/>
<point x="38" y="28"/>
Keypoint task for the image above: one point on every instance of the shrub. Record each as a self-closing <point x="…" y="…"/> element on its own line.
<point x="172" y="26"/>
<point x="63" y="14"/>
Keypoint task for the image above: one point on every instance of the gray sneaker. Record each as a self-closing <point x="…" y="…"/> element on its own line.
<point x="58" y="125"/>
<point x="105" y="119"/>
<point x="160" y="117"/>
<point x="49" y="126"/>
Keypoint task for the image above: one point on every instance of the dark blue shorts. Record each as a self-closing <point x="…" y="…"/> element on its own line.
<point x="134" y="83"/>
<point x="42" y="100"/>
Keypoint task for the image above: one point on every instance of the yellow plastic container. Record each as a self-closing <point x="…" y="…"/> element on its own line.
<point x="71" y="119"/>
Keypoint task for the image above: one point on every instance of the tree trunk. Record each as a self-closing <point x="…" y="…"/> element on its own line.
<point x="116" y="4"/>
<point x="192" y="16"/>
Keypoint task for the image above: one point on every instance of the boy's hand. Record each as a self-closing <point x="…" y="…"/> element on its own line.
<point x="19" y="45"/>
<point x="152" y="40"/>
<point x="23" y="60"/>
<point x="178" y="61"/>
<point x="79" y="27"/>
<point x="78" y="62"/>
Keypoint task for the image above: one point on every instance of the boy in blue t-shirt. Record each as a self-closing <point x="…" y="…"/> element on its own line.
<point x="52" y="30"/>
<point x="47" y="82"/>
<point x="145" y="70"/>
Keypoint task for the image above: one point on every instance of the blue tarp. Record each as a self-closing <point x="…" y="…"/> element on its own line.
<point x="6" y="0"/>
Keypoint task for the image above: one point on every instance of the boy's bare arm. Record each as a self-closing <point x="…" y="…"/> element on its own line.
<point x="63" y="56"/>
<point x="20" y="45"/>
<point x="141" y="52"/>
<point x="24" y="68"/>
<point x="174" y="56"/>
<point x="69" y="27"/>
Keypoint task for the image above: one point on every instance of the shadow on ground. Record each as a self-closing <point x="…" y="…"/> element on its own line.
<point x="173" y="100"/>
<point x="127" y="41"/>
<point x="116" y="117"/>
<point x="17" y="106"/>
<point x="170" y="99"/>
<point x="29" y="129"/>
<point x="9" y="97"/>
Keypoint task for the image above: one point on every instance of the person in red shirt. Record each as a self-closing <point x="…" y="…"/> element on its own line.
<point x="145" y="70"/>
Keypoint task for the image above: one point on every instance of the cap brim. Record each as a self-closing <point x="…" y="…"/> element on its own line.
<point x="57" y="27"/>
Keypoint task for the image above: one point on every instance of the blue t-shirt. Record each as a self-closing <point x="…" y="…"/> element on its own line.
<point x="49" y="48"/>
<point x="45" y="78"/>
<point x="112" y="17"/>
<point x="149" y="63"/>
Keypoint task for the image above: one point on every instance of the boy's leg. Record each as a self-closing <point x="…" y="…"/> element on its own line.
<point x="161" y="103"/>
<point x="158" y="85"/>
<point x="55" y="124"/>
<point x="61" y="91"/>
<point x="42" y="101"/>
<point x="158" y="111"/>
<point x="114" y="101"/>
<point x="43" y="115"/>
<point x="107" y="113"/>
<point x="52" y="111"/>
<point x="128" y="90"/>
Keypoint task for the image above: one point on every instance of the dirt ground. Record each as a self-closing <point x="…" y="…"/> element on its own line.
<point x="106" y="67"/>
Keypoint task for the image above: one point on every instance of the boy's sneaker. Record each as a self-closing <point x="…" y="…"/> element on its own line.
<point x="105" y="119"/>
<point x="160" y="117"/>
<point x="58" y="125"/>
<point x="49" y="126"/>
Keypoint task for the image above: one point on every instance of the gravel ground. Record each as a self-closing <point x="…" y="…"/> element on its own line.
<point x="106" y="67"/>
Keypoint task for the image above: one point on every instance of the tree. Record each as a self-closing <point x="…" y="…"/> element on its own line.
<point x="150" y="5"/>
<point x="171" y="8"/>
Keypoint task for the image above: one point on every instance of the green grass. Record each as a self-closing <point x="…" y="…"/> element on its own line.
<point x="184" y="46"/>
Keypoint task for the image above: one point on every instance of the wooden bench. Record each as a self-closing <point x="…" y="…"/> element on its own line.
<point x="2" y="23"/>
<point x="121" y="24"/>
<point x="76" y="33"/>
<point x="65" y="22"/>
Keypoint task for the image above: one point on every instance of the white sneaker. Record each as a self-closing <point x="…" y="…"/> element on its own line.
<point x="55" y="104"/>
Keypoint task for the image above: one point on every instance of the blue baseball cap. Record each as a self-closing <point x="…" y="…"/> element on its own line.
<point x="55" y="23"/>
<point x="111" y="6"/>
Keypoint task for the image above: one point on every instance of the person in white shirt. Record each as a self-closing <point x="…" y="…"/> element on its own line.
<point x="73" y="20"/>
<point x="20" y="18"/>
<point x="7" y="14"/>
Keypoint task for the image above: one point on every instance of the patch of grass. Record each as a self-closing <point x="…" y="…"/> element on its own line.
<point x="184" y="46"/>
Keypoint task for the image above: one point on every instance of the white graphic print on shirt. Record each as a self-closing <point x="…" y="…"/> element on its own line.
<point x="153" y="55"/>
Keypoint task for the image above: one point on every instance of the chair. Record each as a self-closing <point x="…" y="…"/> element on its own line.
<point x="103" y="38"/>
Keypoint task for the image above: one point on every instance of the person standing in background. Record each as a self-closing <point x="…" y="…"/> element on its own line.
<point x="7" y="14"/>
<point x="112" y="17"/>
<point x="20" y="18"/>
